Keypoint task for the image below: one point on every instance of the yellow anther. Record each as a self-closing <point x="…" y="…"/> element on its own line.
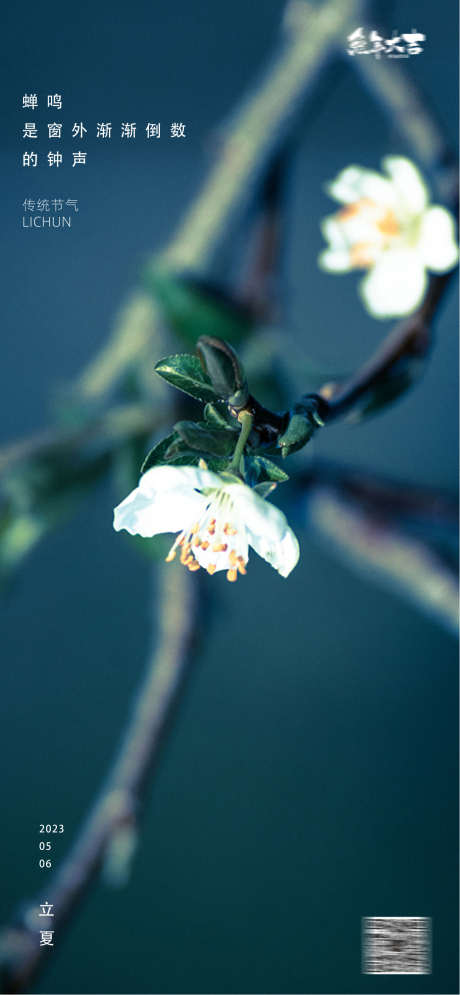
<point x="193" y="566"/>
<point x="205" y="544"/>
<point x="362" y="255"/>
<point x="211" y="568"/>
<point x="358" y="207"/>
<point x="197" y="541"/>
<point x="232" y="575"/>
<point x="171" y="556"/>
<point x="366" y="210"/>
<point x="219" y="547"/>
<point x="388" y="225"/>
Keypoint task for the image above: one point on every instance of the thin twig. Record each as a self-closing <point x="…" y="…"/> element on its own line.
<point x="375" y="544"/>
<point x="408" y="341"/>
<point x="257" y="287"/>
<point x="261" y="125"/>
<point x="117" y="424"/>
<point x="390" y="498"/>
<point x="392" y="531"/>
<point x="110" y="830"/>
<point x="402" y="353"/>
<point x="249" y="140"/>
<point x="409" y="112"/>
<point x="391" y="86"/>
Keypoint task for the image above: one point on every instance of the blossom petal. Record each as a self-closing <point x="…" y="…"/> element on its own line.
<point x="408" y="183"/>
<point x="268" y="531"/>
<point x="168" y="478"/>
<point x="166" y="511"/>
<point x="437" y="242"/>
<point x="355" y="183"/>
<point x="395" y="285"/>
<point x="333" y="232"/>
<point x="335" y="261"/>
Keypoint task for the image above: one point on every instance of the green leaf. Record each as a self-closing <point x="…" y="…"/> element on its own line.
<point x="193" y="308"/>
<point x="266" y="470"/>
<point x="156" y="456"/>
<point x="174" y="451"/>
<point x="265" y="488"/>
<point x="215" y="414"/>
<point x="224" y="369"/>
<point x="185" y="372"/>
<point x="216" y="463"/>
<point x="270" y="469"/>
<point x="180" y="454"/>
<point x="206" y="438"/>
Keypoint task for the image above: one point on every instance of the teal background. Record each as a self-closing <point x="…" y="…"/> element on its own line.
<point x="310" y="777"/>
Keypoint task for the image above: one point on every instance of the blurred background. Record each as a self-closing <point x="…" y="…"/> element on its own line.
<point x="310" y="777"/>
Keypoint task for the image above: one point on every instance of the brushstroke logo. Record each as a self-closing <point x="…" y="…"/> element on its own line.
<point x="400" y="46"/>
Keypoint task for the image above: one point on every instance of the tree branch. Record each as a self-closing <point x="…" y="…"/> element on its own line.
<point x="394" y="499"/>
<point x="249" y="140"/>
<point x="406" y="346"/>
<point x="121" y="422"/>
<point x="109" y="833"/>
<point x="409" y="112"/>
<point x="375" y="545"/>
<point x="402" y="536"/>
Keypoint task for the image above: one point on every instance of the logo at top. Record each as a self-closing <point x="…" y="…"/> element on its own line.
<point x="365" y="42"/>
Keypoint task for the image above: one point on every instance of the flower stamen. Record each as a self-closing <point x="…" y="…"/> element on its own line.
<point x="217" y="530"/>
<point x="388" y="225"/>
<point x="240" y="565"/>
<point x="362" y="255"/>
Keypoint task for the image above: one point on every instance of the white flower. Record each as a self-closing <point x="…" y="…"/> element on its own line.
<point x="217" y="517"/>
<point x="388" y="228"/>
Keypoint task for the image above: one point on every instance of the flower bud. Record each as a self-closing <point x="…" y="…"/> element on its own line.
<point x="224" y="370"/>
<point x="304" y="419"/>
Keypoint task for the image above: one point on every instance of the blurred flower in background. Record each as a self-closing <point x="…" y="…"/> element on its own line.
<point x="387" y="227"/>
